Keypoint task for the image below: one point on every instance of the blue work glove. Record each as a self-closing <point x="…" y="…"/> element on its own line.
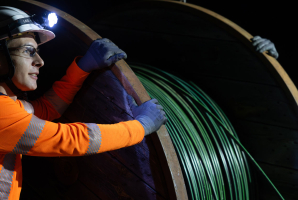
<point x="263" y="44"/>
<point x="150" y="114"/>
<point x="101" y="53"/>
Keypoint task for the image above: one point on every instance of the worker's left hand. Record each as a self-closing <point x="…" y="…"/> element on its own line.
<point x="101" y="53"/>
<point x="263" y="44"/>
<point x="150" y="114"/>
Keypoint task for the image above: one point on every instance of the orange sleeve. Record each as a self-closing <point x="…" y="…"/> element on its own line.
<point x="56" y="100"/>
<point x="24" y="133"/>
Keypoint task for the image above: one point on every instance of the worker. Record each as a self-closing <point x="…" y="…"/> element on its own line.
<point x="263" y="44"/>
<point x="26" y="127"/>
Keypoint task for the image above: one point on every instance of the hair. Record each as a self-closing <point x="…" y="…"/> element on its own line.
<point x="3" y="69"/>
<point x="2" y="56"/>
<point x="8" y="41"/>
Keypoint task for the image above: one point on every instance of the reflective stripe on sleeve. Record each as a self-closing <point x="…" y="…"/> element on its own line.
<point x="6" y="175"/>
<point x="94" y="138"/>
<point x="30" y="136"/>
<point x="59" y="105"/>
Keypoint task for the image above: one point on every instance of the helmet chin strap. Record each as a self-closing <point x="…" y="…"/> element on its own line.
<point x="7" y="78"/>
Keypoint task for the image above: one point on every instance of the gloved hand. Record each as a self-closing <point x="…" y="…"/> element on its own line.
<point x="101" y="53"/>
<point x="150" y="114"/>
<point x="263" y="44"/>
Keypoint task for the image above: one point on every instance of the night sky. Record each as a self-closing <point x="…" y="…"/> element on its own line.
<point x="271" y="20"/>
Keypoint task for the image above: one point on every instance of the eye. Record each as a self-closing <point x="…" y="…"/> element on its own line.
<point x="30" y="50"/>
<point x="27" y="51"/>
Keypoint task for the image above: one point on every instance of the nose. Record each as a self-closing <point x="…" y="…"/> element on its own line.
<point x="37" y="61"/>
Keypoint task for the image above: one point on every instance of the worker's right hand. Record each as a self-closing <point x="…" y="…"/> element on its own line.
<point x="101" y="53"/>
<point x="150" y="114"/>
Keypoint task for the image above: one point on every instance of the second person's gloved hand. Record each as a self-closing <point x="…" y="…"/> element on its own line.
<point x="101" y="53"/>
<point x="150" y="114"/>
<point x="263" y="44"/>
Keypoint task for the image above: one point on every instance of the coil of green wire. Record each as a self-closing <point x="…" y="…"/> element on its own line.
<point x="213" y="160"/>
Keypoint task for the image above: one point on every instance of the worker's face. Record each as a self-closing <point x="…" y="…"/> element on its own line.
<point x="26" y="65"/>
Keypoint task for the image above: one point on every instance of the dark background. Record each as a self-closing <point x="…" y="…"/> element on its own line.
<point x="273" y="20"/>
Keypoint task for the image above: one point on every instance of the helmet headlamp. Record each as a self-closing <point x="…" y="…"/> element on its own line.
<point x="52" y="19"/>
<point x="48" y="19"/>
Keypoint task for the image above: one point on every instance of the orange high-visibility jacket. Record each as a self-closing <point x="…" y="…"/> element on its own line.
<point x="22" y="132"/>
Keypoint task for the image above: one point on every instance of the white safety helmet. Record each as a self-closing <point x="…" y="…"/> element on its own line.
<point x="15" y="22"/>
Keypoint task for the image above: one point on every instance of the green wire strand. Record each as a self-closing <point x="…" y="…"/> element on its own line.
<point x="221" y="190"/>
<point x="182" y="134"/>
<point x="208" y="170"/>
<point x="195" y="140"/>
<point x="186" y="158"/>
<point x="207" y="145"/>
